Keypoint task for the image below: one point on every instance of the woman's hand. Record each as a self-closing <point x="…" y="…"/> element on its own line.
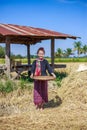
<point x="53" y="75"/>
<point x="31" y="76"/>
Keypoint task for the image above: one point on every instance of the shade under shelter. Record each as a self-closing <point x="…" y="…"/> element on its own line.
<point x="16" y="34"/>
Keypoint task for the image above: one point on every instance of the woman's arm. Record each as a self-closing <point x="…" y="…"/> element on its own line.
<point x="50" y="70"/>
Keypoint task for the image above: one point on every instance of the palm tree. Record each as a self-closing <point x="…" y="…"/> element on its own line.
<point x="59" y="52"/>
<point x="68" y="52"/>
<point x="77" y="47"/>
<point x="84" y="49"/>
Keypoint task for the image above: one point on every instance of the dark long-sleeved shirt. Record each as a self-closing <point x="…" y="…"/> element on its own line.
<point x="44" y="66"/>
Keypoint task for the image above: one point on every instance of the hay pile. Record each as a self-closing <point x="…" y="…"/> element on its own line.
<point x="74" y="88"/>
<point x="66" y="109"/>
<point x="74" y="97"/>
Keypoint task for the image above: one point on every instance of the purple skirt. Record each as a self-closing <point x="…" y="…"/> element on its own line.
<point x="40" y="92"/>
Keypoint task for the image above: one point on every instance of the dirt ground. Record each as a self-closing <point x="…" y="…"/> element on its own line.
<point x="66" y="109"/>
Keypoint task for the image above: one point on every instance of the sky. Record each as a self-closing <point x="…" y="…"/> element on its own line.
<point x="66" y="16"/>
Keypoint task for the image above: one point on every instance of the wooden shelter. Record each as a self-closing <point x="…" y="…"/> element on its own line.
<point x="15" y="34"/>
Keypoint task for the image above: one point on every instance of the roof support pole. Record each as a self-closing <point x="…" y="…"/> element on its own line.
<point x="7" y="57"/>
<point x="28" y="54"/>
<point x="52" y="52"/>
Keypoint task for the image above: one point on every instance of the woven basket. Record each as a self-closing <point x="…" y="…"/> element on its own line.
<point x="43" y="78"/>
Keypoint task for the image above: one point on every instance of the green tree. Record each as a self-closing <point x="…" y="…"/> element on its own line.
<point x="2" y="52"/>
<point x="68" y="52"/>
<point x="77" y="47"/>
<point x="59" y="53"/>
<point x="18" y="56"/>
<point x="84" y="49"/>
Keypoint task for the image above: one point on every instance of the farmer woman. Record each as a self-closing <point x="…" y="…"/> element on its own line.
<point x="39" y="67"/>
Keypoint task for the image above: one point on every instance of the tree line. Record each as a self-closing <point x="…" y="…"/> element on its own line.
<point x="13" y="56"/>
<point x="78" y="48"/>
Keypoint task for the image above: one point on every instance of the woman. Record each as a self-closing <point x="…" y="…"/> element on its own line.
<point x="39" y="67"/>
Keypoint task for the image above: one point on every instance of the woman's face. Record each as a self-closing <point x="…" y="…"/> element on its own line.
<point x="40" y="54"/>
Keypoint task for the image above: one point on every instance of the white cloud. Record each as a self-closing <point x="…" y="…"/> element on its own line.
<point x="68" y="1"/>
<point x="83" y="2"/>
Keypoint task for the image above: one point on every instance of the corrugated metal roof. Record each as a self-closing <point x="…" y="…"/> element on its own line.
<point x="16" y="30"/>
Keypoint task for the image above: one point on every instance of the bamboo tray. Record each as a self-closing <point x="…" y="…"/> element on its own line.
<point x="43" y="78"/>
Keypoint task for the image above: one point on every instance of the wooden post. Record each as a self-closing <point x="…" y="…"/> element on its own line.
<point x="28" y="54"/>
<point x="7" y="57"/>
<point x="52" y="53"/>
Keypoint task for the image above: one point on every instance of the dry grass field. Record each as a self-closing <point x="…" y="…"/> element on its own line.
<point x="66" y="109"/>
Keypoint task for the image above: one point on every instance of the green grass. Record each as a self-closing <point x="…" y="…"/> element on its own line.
<point x="59" y="77"/>
<point x="25" y="84"/>
<point x="70" y="60"/>
<point x="56" y="60"/>
<point x="7" y="86"/>
<point x="2" y="61"/>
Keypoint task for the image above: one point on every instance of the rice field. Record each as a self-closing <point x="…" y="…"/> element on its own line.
<point x="56" y="60"/>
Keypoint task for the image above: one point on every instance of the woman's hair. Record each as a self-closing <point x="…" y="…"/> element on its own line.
<point x="41" y="49"/>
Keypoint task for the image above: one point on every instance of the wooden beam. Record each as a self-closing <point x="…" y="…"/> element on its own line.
<point x="52" y="53"/>
<point x="7" y="56"/>
<point x="28" y="54"/>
